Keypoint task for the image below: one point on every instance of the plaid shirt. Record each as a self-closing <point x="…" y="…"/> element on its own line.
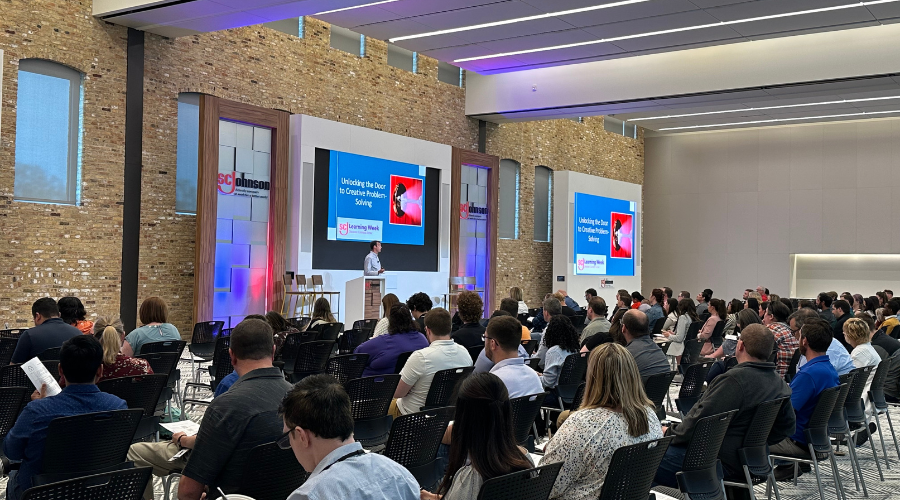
<point x="785" y="345"/>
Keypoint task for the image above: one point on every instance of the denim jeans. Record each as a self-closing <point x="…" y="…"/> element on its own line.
<point x="672" y="463"/>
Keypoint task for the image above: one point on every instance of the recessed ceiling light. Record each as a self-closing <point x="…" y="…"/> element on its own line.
<point x="765" y="108"/>
<point x="777" y="120"/>
<point x="518" y="20"/>
<point x="354" y="7"/>
<point x="676" y="30"/>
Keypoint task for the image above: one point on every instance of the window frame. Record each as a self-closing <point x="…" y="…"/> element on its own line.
<point x="192" y="99"/>
<point x="549" y="203"/>
<point x="518" y="171"/>
<point x="54" y="69"/>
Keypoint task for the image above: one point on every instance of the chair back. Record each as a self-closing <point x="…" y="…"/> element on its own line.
<point x="701" y="475"/>
<point x="579" y="395"/>
<point x="730" y="362"/>
<point x="475" y="351"/>
<point x="530" y="346"/>
<point x="664" y="346"/>
<point x="694" y="378"/>
<point x="14" y="376"/>
<point x="524" y="410"/>
<point x="693" y="330"/>
<point x="99" y="440"/>
<point x="126" y="484"/>
<point x="141" y="391"/>
<point x="49" y="354"/>
<point x="311" y="358"/>
<point x="691" y="352"/>
<point x="531" y="484"/>
<point x="206" y="331"/>
<point x="754" y="453"/>
<point x="657" y="327"/>
<point x="52" y="366"/>
<point x="299" y="322"/>
<point x="632" y="469"/>
<point x="656" y="387"/>
<point x="401" y="361"/>
<point x="317" y="281"/>
<point x="12" y="333"/>
<point x="716" y="337"/>
<point x="161" y="362"/>
<point x="571" y="375"/>
<point x="176" y="346"/>
<point x="329" y="331"/>
<point x="12" y="400"/>
<point x="271" y="473"/>
<point x="221" y="363"/>
<point x="347" y="367"/>
<point x="816" y="430"/>
<point x="370" y="397"/>
<point x="876" y="390"/>
<point x="414" y="442"/>
<point x="837" y="422"/>
<point x="534" y="363"/>
<point x="7" y="347"/>
<point x="365" y="324"/>
<point x="351" y="339"/>
<point x="444" y="387"/>
<point x="854" y="409"/>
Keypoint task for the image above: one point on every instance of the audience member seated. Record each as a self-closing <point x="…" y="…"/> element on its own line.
<point x="229" y="380"/>
<point x="281" y="329"/>
<point x="384" y="350"/>
<point x="482" y="442"/>
<point x="823" y="306"/>
<point x="81" y="362"/>
<point x="842" y="313"/>
<point x="49" y="331"/>
<point x="561" y="340"/>
<point x="419" y="370"/>
<point x="743" y="388"/>
<point x="636" y="299"/>
<point x="233" y="424"/>
<point x="470" y="309"/>
<point x="419" y="304"/>
<point x="567" y="301"/>
<point x="154" y="315"/>
<point x="510" y="306"/>
<point x="318" y="427"/>
<point x="856" y="331"/>
<point x="623" y="305"/>
<point x="648" y="356"/>
<point x="482" y="362"/>
<point x="597" y="330"/>
<point x="111" y="333"/>
<point x="890" y="318"/>
<point x="716" y="309"/>
<point x="614" y="413"/>
<point x="671" y="308"/>
<point x="745" y="318"/>
<point x="775" y="319"/>
<point x="879" y="338"/>
<point x="687" y="314"/>
<point x="387" y="303"/>
<point x="501" y="347"/>
<point x="516" y="294"/>
<point x="812" y="378"/>
<point x="837" y="355"/>
<point x="321" y="314"/>
<point x="552" y="308"/>
<point x="703" y="299"/>
<point x="656" y="312"/>
<point x="733" y="307"/>
<point x="72" y="312"/>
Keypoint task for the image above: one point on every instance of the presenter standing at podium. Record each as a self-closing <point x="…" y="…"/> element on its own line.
<point x="372" y="266"/>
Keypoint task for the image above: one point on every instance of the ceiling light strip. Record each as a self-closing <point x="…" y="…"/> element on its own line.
<point x="676" y="30"/>
<point x="765" y="108"/>
<point x="778" y="120"/>
<point x="354" y="7"/>
<point x="517" y="20"/>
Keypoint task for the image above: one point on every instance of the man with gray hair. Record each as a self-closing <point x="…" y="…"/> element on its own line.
<point x="552" y="307"/>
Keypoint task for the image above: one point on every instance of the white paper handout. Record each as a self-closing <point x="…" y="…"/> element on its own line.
<point x="189" y="427"/>
<point x="38" y="374"/>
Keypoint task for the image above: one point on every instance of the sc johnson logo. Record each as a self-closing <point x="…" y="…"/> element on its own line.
<point x="581" y="264"/>
<point x="227" y="183"/>
<point x="344" y="228"/>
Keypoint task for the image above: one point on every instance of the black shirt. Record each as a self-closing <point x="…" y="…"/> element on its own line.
<point x="51" y="333"/>
<point x="888" y="343"/>
<point x="838" y="330"/>
<point x="596" y="340"/>
<point x="469" y="335"/>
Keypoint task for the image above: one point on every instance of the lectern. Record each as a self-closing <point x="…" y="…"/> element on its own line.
<point x="363" y="298"/>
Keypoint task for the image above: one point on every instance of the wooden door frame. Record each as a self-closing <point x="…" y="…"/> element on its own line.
<point x="462" y="157"/>
<point x="211" y="110"/>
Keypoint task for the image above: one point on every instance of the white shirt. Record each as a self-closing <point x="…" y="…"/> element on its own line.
<point x="419" y="371"/>
<point x="372" y="265"/>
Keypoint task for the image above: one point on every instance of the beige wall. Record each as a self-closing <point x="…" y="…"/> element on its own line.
<point x="725" y="210"/>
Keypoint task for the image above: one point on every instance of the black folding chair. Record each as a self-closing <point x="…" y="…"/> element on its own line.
<point x="693" y="330"/>
<point x="691" y="386"/>
<point x="855" y="413"/>
<point x="691" y="354"/>
<point x="176" y="346"/>
<point x="444" y="387"/>
<point x="657" y="327"/>
<point x="351" y="339"/>
<point x="12" y="400"/>
<point x="525" y="410"/>
<point x="877" y="397"/>
<point x="167" y="364"/>
<point x="347" y="367"/>
<point x="12" y="333"/>
<point x="203" y="344"/>
<point x="754" y="452"/>
<point x="305" y="359"/>
<point x="414" y="443"/>
<point x="579" y="395"/>
<point x="370" y="399"/>
<point x="220" y="368"/>
<point x="271" y="473"/>
<point x="701" y="475"/>
<point x="99" y="440"/>
<point x="632" y="469"/>
<point x="401" y="361"/>
<point x="52" y="366"/>
<point x="534" y="364"/>
<point x="142" y="392"/>
<point x="474" y="352"/>
<point x="299" y="322"/>
<point x="570" y="376"/>
<point x="14" y="376"/>
<point x="716" y="337"/>
<point x="49" y="354"/>
<point x="837" y="426"/>
<point x="530" y="346"/>
<point x="329" y="331"/>
<point x="531" y="484"/>
<point x="657" y="388"/>
<point x="365" y="324"/>
<point x="127" y="484"/>
<point x="7" y="347"/>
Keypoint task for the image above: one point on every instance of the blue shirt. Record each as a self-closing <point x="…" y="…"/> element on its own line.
<point x="653" y="315"/>
<point x="151" y="333"/>
<point x="838" y="355"/>
<point x="813" y="378"/>
<point x="226" y="384"/>
<point x="368" y="476"/>
<point x="483" y="364"/>
<point x="520" y="380"/>
<point x="384" y="350"/>
<point x="25" y="440"/>
<point x="51" y="333"/>
<point x="571" y="302"/>
<point x="556" y="357"/>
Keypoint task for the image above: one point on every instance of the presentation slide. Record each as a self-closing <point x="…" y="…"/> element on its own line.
<point x="375" y="199"/>
<point x="604" y="236"/>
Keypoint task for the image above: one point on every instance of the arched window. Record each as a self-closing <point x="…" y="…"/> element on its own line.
<point x="509" y="199"/>
<point x="543" y="188"/>
<point x="48" y="133"/>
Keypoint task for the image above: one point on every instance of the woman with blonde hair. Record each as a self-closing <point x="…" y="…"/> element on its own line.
<point x="387" y="302"/>
<point x="516" y="294"/>
<point x="615" y="412"/>
<point x="110" y="331"/>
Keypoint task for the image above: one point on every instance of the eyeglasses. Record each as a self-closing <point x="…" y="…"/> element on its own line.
<point x="485" y="337"/>
<point x="284" y="442"/>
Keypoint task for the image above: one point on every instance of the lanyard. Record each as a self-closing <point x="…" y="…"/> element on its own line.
<point x="345" y="457"/>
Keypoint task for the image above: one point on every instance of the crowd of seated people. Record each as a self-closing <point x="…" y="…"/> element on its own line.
<point x="780" y="349"/>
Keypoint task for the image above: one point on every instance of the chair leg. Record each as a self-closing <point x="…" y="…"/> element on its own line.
<point x="854" y="462"/>
<point x="887" y="463"/>
<point x="749" y="480"/>
<point x="874" y="453"/>
<point x="838" y="483"/>
<point x="891" y="425"/>
<point x="815" y="463"/>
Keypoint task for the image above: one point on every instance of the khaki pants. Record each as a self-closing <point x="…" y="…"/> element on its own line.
<point x="394" y="410"/>
<point x="156" y="455"/>
<point x="562" y="418"/>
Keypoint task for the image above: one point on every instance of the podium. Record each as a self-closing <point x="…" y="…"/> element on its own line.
<point x="363" y="298"/>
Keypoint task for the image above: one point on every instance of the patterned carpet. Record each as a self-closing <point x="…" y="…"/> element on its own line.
<point x="804" y="490"/>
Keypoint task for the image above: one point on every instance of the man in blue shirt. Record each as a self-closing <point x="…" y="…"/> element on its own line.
<point x="81" y="361"/>
<point x="656" y="311"/>
<point x="814" y="377"/>
<point x="837" y="354"/>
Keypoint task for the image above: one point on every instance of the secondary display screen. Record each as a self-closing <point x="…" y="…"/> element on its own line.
<point x="603" y="236"/>
<point x="359" y="199"/>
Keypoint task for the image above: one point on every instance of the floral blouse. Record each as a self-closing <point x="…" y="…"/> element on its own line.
<point x="125" y="366"/>
<point x="585" y="444"/>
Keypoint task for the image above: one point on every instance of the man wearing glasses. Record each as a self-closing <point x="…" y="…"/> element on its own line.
<point x="837" y="353"/>
<point x="243" y="417"/>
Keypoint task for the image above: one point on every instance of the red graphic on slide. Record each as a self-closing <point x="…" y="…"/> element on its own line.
<point x="621" y="241"/>
<point x="406" y="201"/>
